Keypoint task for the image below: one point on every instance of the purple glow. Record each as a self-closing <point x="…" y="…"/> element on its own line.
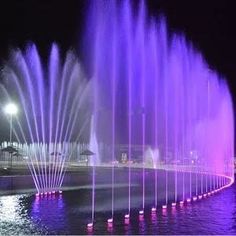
<point x="46" y="194"/>
<point x="147" y="93"/>
<point x="141" y="217"/>
<point x="110" y="227"/>
<point x="153" y="209"/>
<point x="164" y="206"/>
<point x="90" y="225"/>
<point x="154" y="218"/>
<point x="141" y="212"/>
<point x="188" y="199"/>
<point x="170" y="103"/>
<point x="127" y="221"/>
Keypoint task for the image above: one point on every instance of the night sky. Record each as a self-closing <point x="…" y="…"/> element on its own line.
<point x="209" y="24"/>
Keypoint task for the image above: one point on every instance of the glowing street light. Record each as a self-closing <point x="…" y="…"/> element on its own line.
<point x="11" y="109"/>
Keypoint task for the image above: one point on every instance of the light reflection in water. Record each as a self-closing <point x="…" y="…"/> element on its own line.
<point x="24" y="214"/>
<point x="50" y="209"/>
<point x="127" y="227"/>
<point x="14" y="218"/>
<point x="142" y="225"/>
<point x="9" y="208"/>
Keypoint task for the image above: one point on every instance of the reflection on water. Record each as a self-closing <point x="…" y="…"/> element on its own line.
<point x="25" y="214"/>
<point x="50" y="209"/>
<point x="14" y="217"/>
<point x="10" y="204"/>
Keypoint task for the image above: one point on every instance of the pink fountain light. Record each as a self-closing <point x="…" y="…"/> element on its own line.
<point x="153" y="209"/>
<point x="127" y="221"/>
<point x="90" y="225"/>
<point x="141" y="212"/>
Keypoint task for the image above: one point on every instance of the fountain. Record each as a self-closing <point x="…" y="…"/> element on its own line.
<point x="93" y="145"/>
<point x="151" y="158"/>
<point x="55" y="110"/>
<point x="149" y="92"/>
<point x="155" y="90"/>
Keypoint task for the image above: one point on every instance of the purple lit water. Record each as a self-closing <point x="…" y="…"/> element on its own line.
<point x="146" y="95"/>
<point x="162" y="94"/>
<point x="67" y="214"/>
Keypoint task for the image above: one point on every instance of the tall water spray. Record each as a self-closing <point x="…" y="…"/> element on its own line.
<point x="155" y="90"/>
<point x="55" y="110"/>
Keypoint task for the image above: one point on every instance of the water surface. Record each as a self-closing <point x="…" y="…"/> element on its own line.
<point x="68" y="214"/>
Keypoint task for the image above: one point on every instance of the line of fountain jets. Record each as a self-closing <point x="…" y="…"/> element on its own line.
<point x="157" y="76"/>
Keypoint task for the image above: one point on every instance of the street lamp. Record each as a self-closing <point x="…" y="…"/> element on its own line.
<point x="11" y="109"/>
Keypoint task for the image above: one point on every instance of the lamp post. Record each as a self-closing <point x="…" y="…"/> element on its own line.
<point x="11" y="109"/>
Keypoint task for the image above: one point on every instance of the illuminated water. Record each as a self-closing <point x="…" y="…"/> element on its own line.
<point x="153" y="91"/>
<point x="23" y="214"/>
<point x="147" y="96"/>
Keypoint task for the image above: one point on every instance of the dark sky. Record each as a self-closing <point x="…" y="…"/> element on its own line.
<point x="209" y="24"/>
